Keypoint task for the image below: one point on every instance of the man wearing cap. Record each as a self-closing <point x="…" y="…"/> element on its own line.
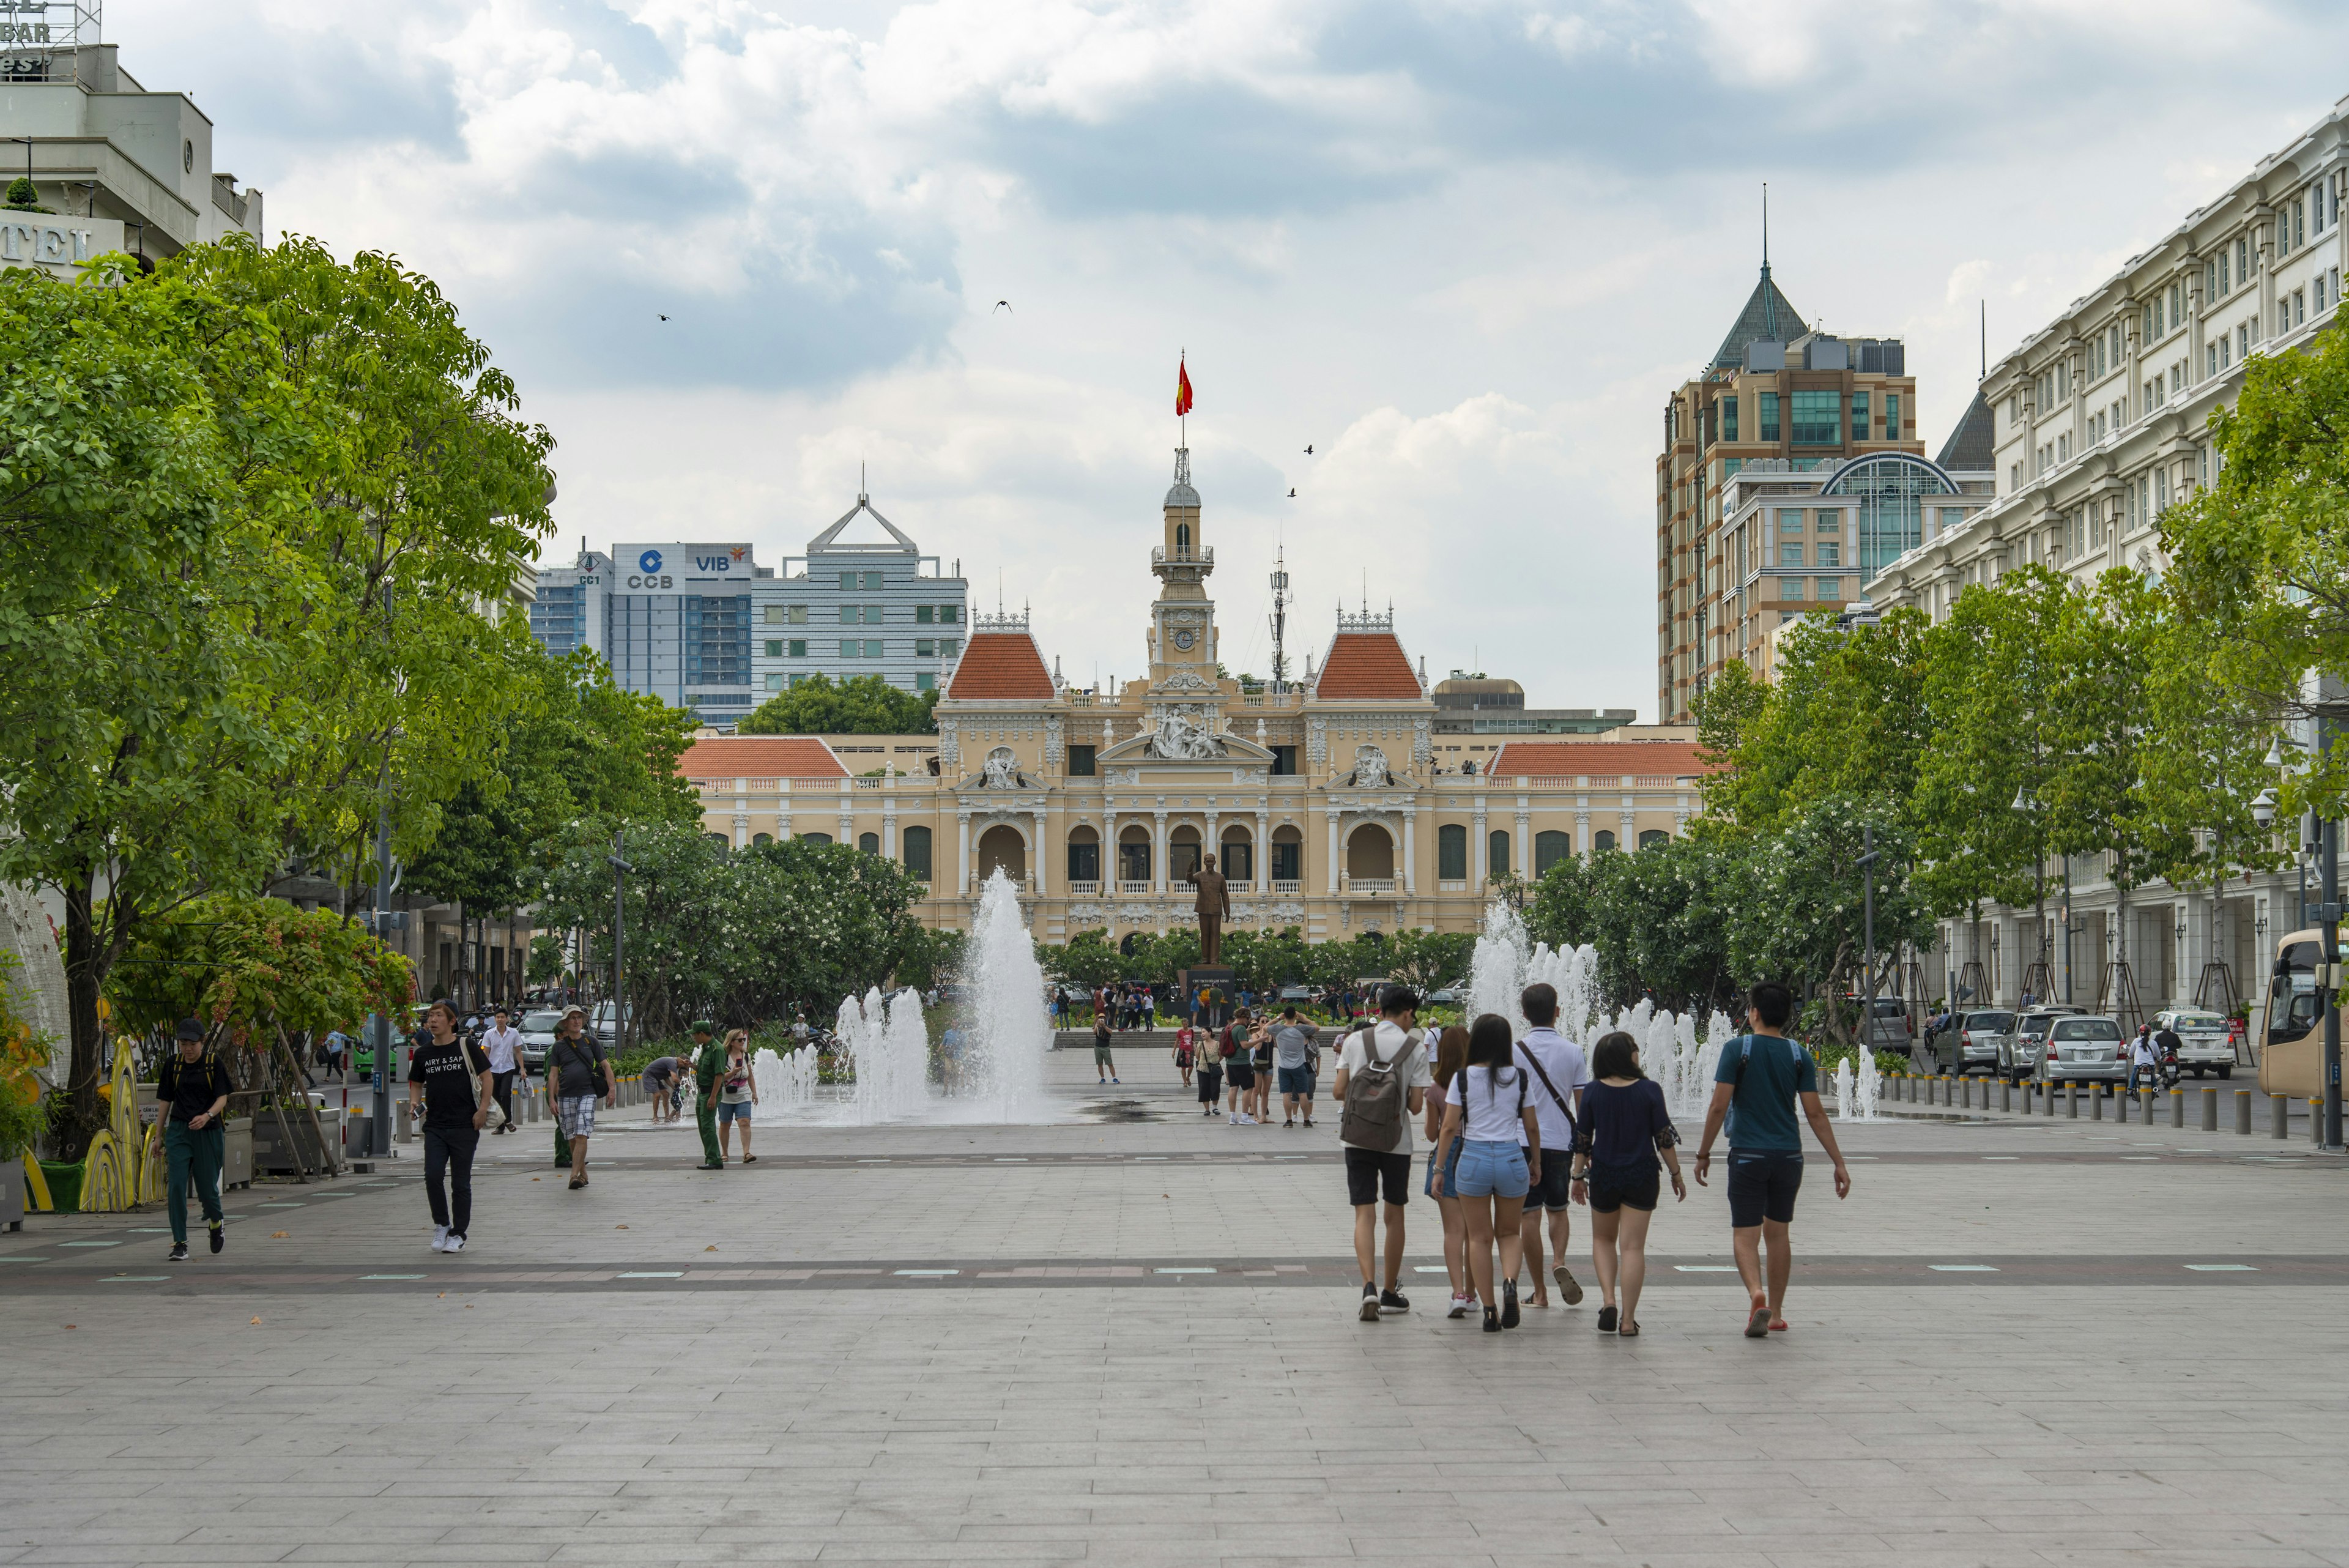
<point x="709" y="1062"/>
<point x="193" y="1089"/>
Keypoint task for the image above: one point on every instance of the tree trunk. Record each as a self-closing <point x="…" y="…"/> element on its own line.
<point x="86" y="969"/>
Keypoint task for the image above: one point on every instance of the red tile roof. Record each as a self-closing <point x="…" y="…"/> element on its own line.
<point x="761" y="757"/>
<point x="1000" y="666"/>
<point x="1367" y="666"/>
<point x="1606" y="759"/>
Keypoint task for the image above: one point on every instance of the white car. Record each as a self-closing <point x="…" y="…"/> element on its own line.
<point x="2205" y="1041"/>
<point x="538" y="1037"/>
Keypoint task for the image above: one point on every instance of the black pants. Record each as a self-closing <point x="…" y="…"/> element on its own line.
<point x="451" y="1150"/>
<point x="501" y="1090"/>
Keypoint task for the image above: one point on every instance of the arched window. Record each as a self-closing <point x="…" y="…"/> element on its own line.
<point x="918" y="852"/>
<point x="761" y="838"/>
<point x="1084" y="855"/>
<point x="1451" y="852"/>
<point x="1182" y="541"/>
<point x="1889" y="520"/>
<point x="1653" y="835"/>
<point x="815" y="838"/>
<point x="1602" y="840"/>
<point x="1237" y="858"/>
<point x="1002" y="847"/>
<point x="719" y="839"/>
<point x="1550" y="846"/>
<point x="869" y="842"/>
<point x="1287" y="855"/>
<point x="1496" y="853"/>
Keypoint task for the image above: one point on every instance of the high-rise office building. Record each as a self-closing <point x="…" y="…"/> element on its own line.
<point x="1778" y="397"/>
<point x="869" y="606"/>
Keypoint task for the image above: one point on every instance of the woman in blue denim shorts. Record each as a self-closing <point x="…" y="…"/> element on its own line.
<point x="1443" y="1159"/>
<point x="1484" y="1106"/>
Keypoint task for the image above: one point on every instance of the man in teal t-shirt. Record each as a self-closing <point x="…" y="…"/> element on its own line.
<point x="1761" y="1078"/>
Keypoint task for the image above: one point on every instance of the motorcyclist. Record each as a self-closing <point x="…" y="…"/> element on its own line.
<point x="2142" y="1059"/>
<point x="2166" y="1045"/>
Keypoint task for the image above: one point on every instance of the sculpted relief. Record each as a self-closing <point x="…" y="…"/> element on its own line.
<point x="1181" y="738"/>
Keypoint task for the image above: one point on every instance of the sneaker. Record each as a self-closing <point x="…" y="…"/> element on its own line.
<point x="1393" y="1301"/>
<point x="455" y="1242"/>
<point x="220" y="1238"/>
<point x="1116" y="1079"/>
<point x="1461" y="1306"/>
<point x="439" y="1238"/>
<point x="1247" y="1121"/>
<point x="180" y="1253"/>
<point x="1233" y="1117"/>
<point x="1369" y="1299"/>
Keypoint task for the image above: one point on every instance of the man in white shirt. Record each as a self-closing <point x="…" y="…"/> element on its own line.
<point x="1559" y="1073"/>
<point x="1390" y="1058"/>
<point x="503" y="1043"/>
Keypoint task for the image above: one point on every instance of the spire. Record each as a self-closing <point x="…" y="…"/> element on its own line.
<point x="1182" y="495"/>
<point x="1769" y="301"/>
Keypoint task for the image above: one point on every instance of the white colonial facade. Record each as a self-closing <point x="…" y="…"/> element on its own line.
<point x="2100" y="422"/>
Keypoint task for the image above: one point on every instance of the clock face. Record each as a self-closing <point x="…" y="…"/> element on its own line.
<point x="1183" y="640"/>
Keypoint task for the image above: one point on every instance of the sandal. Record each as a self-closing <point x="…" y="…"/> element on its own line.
<point x="1629" y="1330"/>
<point x="577" y="1183"/>
<point x="749" y="1160"/>
<point x="1492" y="1320"/>
<point x="1757" y="1321"/>
<point x="1607" y="1320"/>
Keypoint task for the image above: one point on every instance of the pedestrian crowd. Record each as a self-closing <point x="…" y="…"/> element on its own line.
<point x="1522" y="1132"/>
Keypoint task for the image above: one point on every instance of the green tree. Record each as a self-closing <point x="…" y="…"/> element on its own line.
<point x="1430" y="960"/>
<point x="1088" y="959"/>
<point x="859" y="705"/>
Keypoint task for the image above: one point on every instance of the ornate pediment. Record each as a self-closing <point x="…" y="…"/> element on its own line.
<point x="1181" y="739"/>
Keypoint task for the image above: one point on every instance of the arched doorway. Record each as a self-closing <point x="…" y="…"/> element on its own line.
<point x="1236" y="856"/>
<point x="1133" y="854"/>
<point x="1084" y="855"/>
<point x="1287" y="855"/>
<point x="1002" y="845"/>
<point x="1370" y="854"/>
<point x="1183" y="851"/>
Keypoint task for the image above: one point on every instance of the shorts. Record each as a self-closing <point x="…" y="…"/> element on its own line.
<point x="1211" y="1088"/>
<point x="1625" y="1186"/>
<point x="1550" y="1192"/>
<point x="1243" y="1076"/>
<point x="1762" y="1185"/>
<point x="1490" y="1168"/>
<point x="733" y="1111"/>
<point x="1101" y="1058"/>
<point x="1451" y="1172"/>
<point x="1296" y="1080"/>
<point x="1368" y="1172"/>
<point x="575" y="1114"/>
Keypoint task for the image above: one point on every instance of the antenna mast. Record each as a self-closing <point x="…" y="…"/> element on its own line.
<point x="1279" y="621"/>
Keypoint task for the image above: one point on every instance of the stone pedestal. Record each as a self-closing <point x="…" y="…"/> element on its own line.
<point x="1209" y="992"/>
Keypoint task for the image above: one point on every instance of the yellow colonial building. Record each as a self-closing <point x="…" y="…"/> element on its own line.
<point x="1325" y="804"/>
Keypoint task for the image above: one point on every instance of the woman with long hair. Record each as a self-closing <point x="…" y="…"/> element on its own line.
<point x="737" y="1091"/>
<point x="1442" y="1163"/>
<point x="1485" y="1106"/>
<point x="1624" y="1125"/>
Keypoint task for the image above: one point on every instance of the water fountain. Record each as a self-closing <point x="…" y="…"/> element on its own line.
<point x="785" y="1080"/>
<point x="1004" y="1027"/>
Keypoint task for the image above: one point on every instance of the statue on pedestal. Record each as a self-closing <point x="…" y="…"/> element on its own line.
<point x="1214" y="905"/>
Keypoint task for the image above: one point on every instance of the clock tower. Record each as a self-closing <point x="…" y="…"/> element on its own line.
<point x="1183" y="620"/>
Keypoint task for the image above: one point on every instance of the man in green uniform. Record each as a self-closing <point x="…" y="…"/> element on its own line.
<point x="707" y="1062"/>
<point x="194" y="1090"/>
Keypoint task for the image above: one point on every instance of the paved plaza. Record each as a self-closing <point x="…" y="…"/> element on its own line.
<point x="1129" y="1338"/>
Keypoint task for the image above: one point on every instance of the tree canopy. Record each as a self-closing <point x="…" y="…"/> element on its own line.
<point x="860" y="705"/>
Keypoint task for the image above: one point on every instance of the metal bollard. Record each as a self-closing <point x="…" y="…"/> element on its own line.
<point x="2095" y="1104"/>
<point x="2209" y="1110"/>
<point x="2006" y="1093"/>
<point x="2243" y="1113"/>
<point x="2278" y="1116"/>
<point x="2072" y="1098"/>
<point x="2178" y="1107"/>
<point x="405" y="1129"/>
<point x="2050" y="1096"/>
<point x="2316" y="1123"/>
<point x="530" y="1105"/>
<point x="2121" y="1104"/>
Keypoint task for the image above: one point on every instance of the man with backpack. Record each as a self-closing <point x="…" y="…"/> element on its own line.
<point x="1383" y="1083"/>
<point x="1559" y="1073"/>
<point x="1239" y="1068"/>
<point x="1762" y="1077"/>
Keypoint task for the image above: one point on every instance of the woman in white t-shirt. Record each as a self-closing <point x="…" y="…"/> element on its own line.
<point x="1486" y="1105"/>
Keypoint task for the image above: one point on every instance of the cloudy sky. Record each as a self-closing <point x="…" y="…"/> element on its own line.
<point x="1462" y="247"/>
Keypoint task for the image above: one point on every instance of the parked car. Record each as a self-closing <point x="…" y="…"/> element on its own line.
<point x="1447" y="997"/>
<point x="600" y="1024"/>
<point x="1975" y="1043"/>
<point x="2205" y="1041"/>
<point x="2088" y="1049"/>
<point x="1302" y="995"/>
<point x="2024" y="1046"/>
<point x="1889" y="1028"/>
<point x="538" y="1038"/>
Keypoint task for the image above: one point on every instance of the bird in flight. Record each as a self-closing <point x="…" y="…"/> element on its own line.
<point x="1292" y="493"/>
<point x="664" y="318"/>
<point x="1003" y="304"/>
<point x="1309" y="449"/>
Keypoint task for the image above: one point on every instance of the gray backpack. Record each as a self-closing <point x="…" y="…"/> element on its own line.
<point x="1376" y="1099"/>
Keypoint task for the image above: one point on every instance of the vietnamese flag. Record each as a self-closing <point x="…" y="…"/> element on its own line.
<point x="1182" y="387"/>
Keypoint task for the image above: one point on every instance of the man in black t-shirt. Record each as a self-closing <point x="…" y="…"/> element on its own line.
<point x="194" y="1090"/>
<point x="449" y="1078"/>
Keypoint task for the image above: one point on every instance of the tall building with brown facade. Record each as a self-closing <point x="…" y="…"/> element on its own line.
<point x="1778" y="396"/>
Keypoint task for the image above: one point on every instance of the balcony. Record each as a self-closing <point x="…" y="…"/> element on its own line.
<point x="1370" y="887"/>
<point x="1084" y="889"/>
<point x="1141" y="887"/>
<point x="1452" y="887"/>
<point x="1283" y="888"/>
<point x="1234" y="887"/>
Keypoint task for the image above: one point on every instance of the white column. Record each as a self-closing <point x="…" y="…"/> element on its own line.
<point x="1158" y="840"/>
<point x="1522" y="851"/>
<point x="1627" y="834"/>
<point x="1330" y="817"/>
<point x="1260" y="857"/>
<point x="1109" y="849"/>
<point x="1043" y="853"/>
<point x="962" y="880"/>
<point x="1210" y="841"/>
<point x="1410" y="846"/>
<point x="1582" y="834"/>
<point x="1480" y="863"/>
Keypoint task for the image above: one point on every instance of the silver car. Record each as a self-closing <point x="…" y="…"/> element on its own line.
<point x="538" y="1037"/>
<point x="1973" y="1043"/>
<point x="2205" y="1041"/>
<point x="2020" y="1061"/>
<point x="2088" y="1049"/>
